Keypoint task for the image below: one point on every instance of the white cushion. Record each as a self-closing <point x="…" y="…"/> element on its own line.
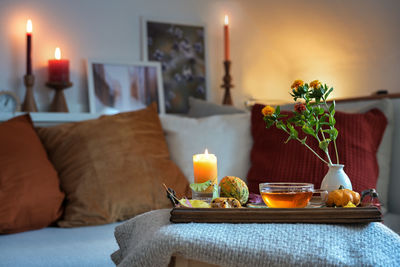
<point x="226" y="136"/>
<point x="385" y="147"/>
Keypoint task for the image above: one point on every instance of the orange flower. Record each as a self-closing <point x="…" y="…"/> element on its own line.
<point x="296" y="84"/>
<point x="268" y="111"/>
<point x="315" y="84"/>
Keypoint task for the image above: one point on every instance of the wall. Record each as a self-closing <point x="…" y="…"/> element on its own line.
<point x="352" y="45"/>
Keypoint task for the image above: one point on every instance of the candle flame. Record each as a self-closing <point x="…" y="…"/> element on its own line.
<point x="57" y="53"/>
<point x="226" y="20"/>
<point x="206" y="151"/>
<point x="29" y="26"/>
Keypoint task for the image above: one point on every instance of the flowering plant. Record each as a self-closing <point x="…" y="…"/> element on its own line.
<point x="312" y="114"/>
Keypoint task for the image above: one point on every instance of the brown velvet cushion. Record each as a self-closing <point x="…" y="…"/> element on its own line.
<point x="30" y="196"/>
<point x="112" y="168"/>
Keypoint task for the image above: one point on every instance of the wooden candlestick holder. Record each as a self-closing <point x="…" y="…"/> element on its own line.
<point x="227" y="85"/>
<point x="59" y="104"/>
<point x="29" y="104"/>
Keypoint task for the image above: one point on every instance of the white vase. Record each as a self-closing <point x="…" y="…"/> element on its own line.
<point x="335" y="178"/>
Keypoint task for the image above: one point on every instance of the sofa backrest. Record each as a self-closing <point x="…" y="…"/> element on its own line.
<point x="394" y="183"/>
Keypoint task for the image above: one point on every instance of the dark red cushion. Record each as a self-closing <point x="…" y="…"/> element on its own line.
<point x="358" y="141"/>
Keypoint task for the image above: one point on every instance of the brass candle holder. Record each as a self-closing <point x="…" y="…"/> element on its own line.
<point x="29" y="103"/>
<point x="59" y="104"/>
<point x="227" y="85"/>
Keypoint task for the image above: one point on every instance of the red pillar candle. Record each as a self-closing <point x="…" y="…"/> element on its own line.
<point x="29" y="47"/>
<point x="58" y="68"/>
<point x="226" y="38"/>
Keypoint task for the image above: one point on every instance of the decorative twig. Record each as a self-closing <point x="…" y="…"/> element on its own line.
<point x="171" y="195"/>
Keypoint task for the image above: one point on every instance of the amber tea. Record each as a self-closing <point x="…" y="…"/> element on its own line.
<point x="286" y="199"/>
<point x="287" y="195"/>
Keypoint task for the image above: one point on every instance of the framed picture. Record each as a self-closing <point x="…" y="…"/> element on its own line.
<point x="124" y="86"/>
<point x="181" y="50"/>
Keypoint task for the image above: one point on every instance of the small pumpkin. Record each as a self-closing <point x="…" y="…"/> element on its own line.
<point x="342" y="196"/>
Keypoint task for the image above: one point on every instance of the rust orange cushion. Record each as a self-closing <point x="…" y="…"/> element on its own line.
<point x="359" y="137"/>
<point x="30" y="196"/>
<point x="112" y="168"/>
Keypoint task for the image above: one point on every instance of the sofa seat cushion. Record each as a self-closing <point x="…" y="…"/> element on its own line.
<point x="53" y="246"/>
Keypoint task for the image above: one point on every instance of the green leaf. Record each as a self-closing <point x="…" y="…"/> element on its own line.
<point x="333" y="134"/>
<point x="278" y="110"/>
<point x="280" y="125"/>
<point x="290" y="127"/>
<point x="215" y="192"/>
<point x="303" y="141"/>
<point x="317" y="127"/>
<point x="321" y="111"/>
<point x="293" y="132"/>
<point x="328" y="93"/>
<point x="269" y="123"/>
<point x="332" y="120"/>
<point x="323" y="118"/>
<point x="332" y="106"/>
<point x="308" y="130"/>
<point x="282" y="116"/>
<point x="324" y="144"/>
<point x="200" y="187"/>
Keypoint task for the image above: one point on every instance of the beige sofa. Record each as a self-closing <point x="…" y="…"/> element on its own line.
<point x="227" y="136"/>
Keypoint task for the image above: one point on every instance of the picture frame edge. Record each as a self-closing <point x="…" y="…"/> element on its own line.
<point x="89" y="75"/>
<point x="156" y="64"/>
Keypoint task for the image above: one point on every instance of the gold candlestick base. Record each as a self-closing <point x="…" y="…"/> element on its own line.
<point x="29" y="104"/>
<point x="227" y="85"/>
<point x="59" y="104"/>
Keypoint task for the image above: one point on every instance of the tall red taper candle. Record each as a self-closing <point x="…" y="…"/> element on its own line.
<point x="226" y="38"/>
<point x="29" y="47"/>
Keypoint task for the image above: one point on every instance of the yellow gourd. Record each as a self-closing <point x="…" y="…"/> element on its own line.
<point x="341" y="197"/>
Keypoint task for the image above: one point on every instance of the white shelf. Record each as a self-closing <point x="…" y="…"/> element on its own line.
<point x="50" y="118"/>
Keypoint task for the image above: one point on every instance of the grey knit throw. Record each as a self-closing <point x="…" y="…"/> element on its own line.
<point x="150" y="240"/>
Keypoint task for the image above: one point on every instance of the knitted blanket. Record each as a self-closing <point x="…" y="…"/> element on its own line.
<point x="150" y="240"/>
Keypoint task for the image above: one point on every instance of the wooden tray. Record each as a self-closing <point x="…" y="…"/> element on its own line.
<point x="254" y="215"/>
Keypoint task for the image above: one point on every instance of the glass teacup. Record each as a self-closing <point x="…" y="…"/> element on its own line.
<point x="290" y="195"/>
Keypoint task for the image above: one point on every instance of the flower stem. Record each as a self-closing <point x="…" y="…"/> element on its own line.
<point x="314" y="152"/>
<point x="326" y="152"/>
<point x="337" y="155"/>
<point x="334" y="141"/>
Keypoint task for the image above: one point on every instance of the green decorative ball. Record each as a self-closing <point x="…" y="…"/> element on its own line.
<point x="232" y="186"/>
